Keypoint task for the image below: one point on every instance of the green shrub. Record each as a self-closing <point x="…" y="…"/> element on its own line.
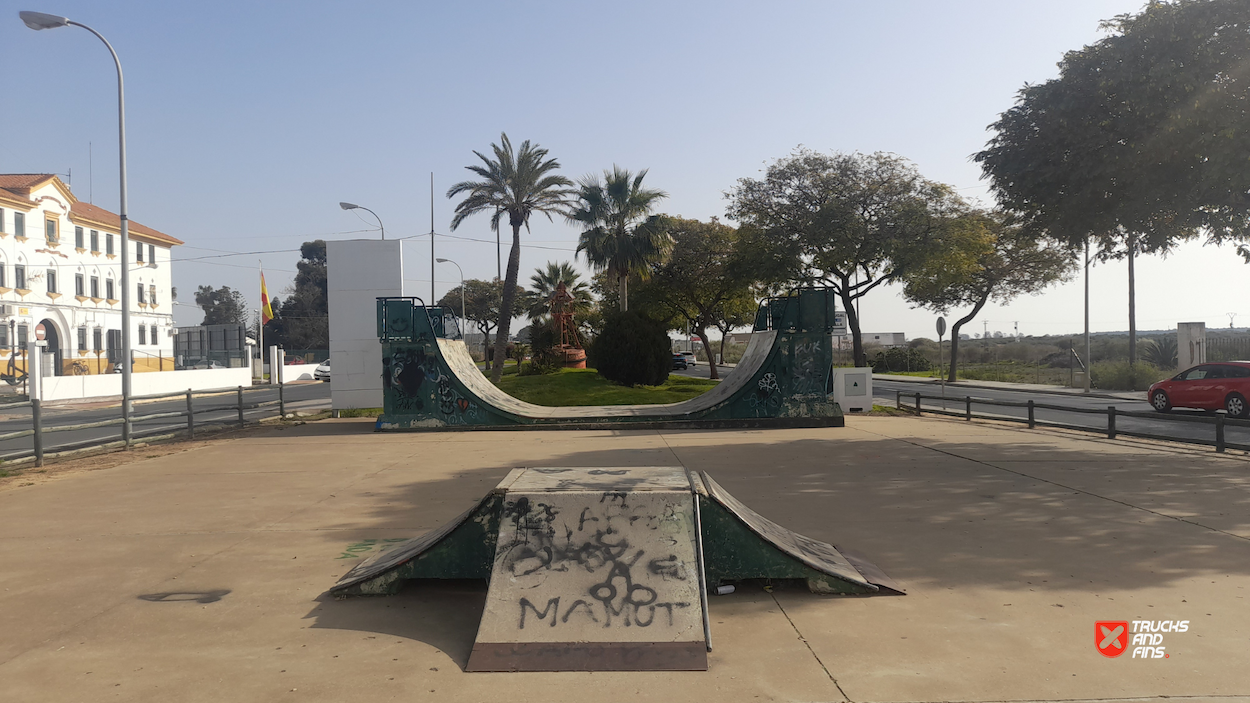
<point x="545" y="358"/>
<point x="900" y="359"/>
<point x="1119" y="376"/>
<point x="633" y="350"/>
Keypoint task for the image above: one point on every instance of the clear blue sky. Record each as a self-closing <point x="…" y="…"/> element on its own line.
<point x="249" y="122"/>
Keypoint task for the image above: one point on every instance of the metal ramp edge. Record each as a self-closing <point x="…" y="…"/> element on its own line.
<point x="739" y="544"/>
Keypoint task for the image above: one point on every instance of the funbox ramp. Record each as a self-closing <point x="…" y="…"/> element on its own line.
<point x="429" y="380"/>
<point x="599" y="568"/>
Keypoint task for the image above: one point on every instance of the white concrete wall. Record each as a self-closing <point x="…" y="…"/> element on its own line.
<point x="106" y="385"/>
<point x="1191" y="344"/>
<point x="359" y="271"/>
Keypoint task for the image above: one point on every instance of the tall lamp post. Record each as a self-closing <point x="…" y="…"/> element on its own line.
<point x="351" y="206"/>
<point x="40" y="20"/>
<point x="462" y="318"/>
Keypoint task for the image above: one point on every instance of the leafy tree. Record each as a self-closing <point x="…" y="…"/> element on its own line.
<point x="222" y="306"/>
<point x="849" y="221"/>
<point x="305" y="314"/>
<point x="516" y="184"/>
<point x="736" y="313"/>
<point x="481" y="306"/>
<point x="622" y="237"/>
<point x="1140" y="142"/>
<point x="704" y="277"/>
<point x="543" y="285"/>
<point x="633" y="350"/>
<point x="980" y="257"/>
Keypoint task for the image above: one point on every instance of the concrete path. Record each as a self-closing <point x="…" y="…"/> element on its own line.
<point x="1010" y="386"/>
<point x="200" y="575"/>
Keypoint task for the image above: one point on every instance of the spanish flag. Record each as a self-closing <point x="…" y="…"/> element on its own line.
<point x="266" y="310"/>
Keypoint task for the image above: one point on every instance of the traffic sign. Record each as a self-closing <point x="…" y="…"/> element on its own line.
<point x="941" y="326"/>
<point x="40" y="332"/>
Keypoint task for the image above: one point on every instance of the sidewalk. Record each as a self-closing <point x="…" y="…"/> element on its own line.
<point x="201" y="575"/>
<point x="1019" y="387"/>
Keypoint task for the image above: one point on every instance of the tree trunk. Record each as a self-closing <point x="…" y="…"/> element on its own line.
<point x="1132" y="304"/>
<point x="852" y="323"/>
<point x="723" y="334"/>
<point x="707" y="349"/>
<point x="952" y="376"/>
<point x="509" y="299"/>
<point x="622" y="289"/>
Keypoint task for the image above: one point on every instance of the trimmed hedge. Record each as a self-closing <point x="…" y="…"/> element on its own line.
<point x="633" y="350"/>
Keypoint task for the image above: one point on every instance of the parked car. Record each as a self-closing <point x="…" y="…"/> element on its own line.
<point x="691" y="359"/>
<point x="1218" y="386"/>
<point x="322" y="372"/>
<point x="679" y="361"/>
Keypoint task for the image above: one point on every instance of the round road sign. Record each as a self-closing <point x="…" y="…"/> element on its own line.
<point x="40" y="332"/>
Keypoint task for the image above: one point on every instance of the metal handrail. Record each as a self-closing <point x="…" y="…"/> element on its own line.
<point x="1220" y="420"/>
<point x="38" y="429"/>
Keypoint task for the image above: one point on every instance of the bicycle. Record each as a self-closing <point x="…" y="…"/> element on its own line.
<point x="79" y="368"/>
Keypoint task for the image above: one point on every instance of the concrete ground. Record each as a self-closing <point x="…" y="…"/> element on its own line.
<point x="200" y="575"/>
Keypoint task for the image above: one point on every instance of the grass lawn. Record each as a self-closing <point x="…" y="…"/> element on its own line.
<point x="587" y="387"/>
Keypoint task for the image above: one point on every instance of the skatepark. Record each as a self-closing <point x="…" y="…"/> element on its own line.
<point x="204" y="574"/>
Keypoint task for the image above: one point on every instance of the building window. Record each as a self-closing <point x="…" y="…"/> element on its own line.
<point x="82" y="339"/>
<point x="19" y="276"/>
<point x="51" y="273"/>
<point x="143" y="335"/>
<point x="141" y="300"/>
<point x="2" y="283"/>
<point x="19" y="224"/>
<point x="78" y="237"/>
<point x="4" y="336"/>
<point x="151" y="255"/>
<point x="53" y="236"/>
<point x="108" y="290"/>
<point x="95" y="241"/>
<point x="78" y="284"/>
<point x="95" y="286"/>
<point x="152" y="295"/>
<point x="108" y="243"/>
<point x="139" y="252"/>
<point x="23" y="335"/>
<point x="97" y="340"/>
<point x="1" y="219"/>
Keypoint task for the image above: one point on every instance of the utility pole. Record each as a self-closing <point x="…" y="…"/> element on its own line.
<point x="432" y="298"/>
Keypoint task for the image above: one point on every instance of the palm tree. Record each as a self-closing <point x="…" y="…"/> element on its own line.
<point x="516" y="184"/>
<point x="621" y="237"/>
<point x="543" y="285"/>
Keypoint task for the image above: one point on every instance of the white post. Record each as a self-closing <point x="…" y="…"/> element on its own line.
<point x="274" y="365"/>
<point x="34" y="369"/>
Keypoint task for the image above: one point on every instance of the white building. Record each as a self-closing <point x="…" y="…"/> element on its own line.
<point x="60" y="278"/>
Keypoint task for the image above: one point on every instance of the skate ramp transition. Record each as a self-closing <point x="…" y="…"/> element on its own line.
<point x="429" y="380"/>
<point x="607" y="568"/>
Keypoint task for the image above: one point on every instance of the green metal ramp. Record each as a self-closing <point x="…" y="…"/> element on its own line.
<point x="431" y="382"/>
<point x="607" y="568"/>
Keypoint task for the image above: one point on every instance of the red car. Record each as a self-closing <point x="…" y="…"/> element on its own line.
<point x="1216" y="386"/>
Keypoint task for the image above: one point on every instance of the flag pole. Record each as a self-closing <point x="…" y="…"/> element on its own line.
<point x="260" y="324"/>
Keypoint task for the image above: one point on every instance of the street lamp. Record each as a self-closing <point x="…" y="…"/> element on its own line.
<point x="351" y="206"/>
<point x="40" y="20"/>
<point x="462" y="318"/>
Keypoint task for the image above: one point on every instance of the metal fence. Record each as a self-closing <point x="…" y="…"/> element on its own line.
<point x="128" y="435"/>
<point x="1217" y="422"/>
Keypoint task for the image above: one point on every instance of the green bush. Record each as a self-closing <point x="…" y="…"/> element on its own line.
<point x="900" y="359"/>
<point x="633" y="350"/>
<point x="545" y="358"/>
<point x="1119" y="376"/>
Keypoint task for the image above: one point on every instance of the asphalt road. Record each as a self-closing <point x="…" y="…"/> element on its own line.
<point x="884" y="394"/>
<point x="702" y="370"/>
<point x="219" y="409"/>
